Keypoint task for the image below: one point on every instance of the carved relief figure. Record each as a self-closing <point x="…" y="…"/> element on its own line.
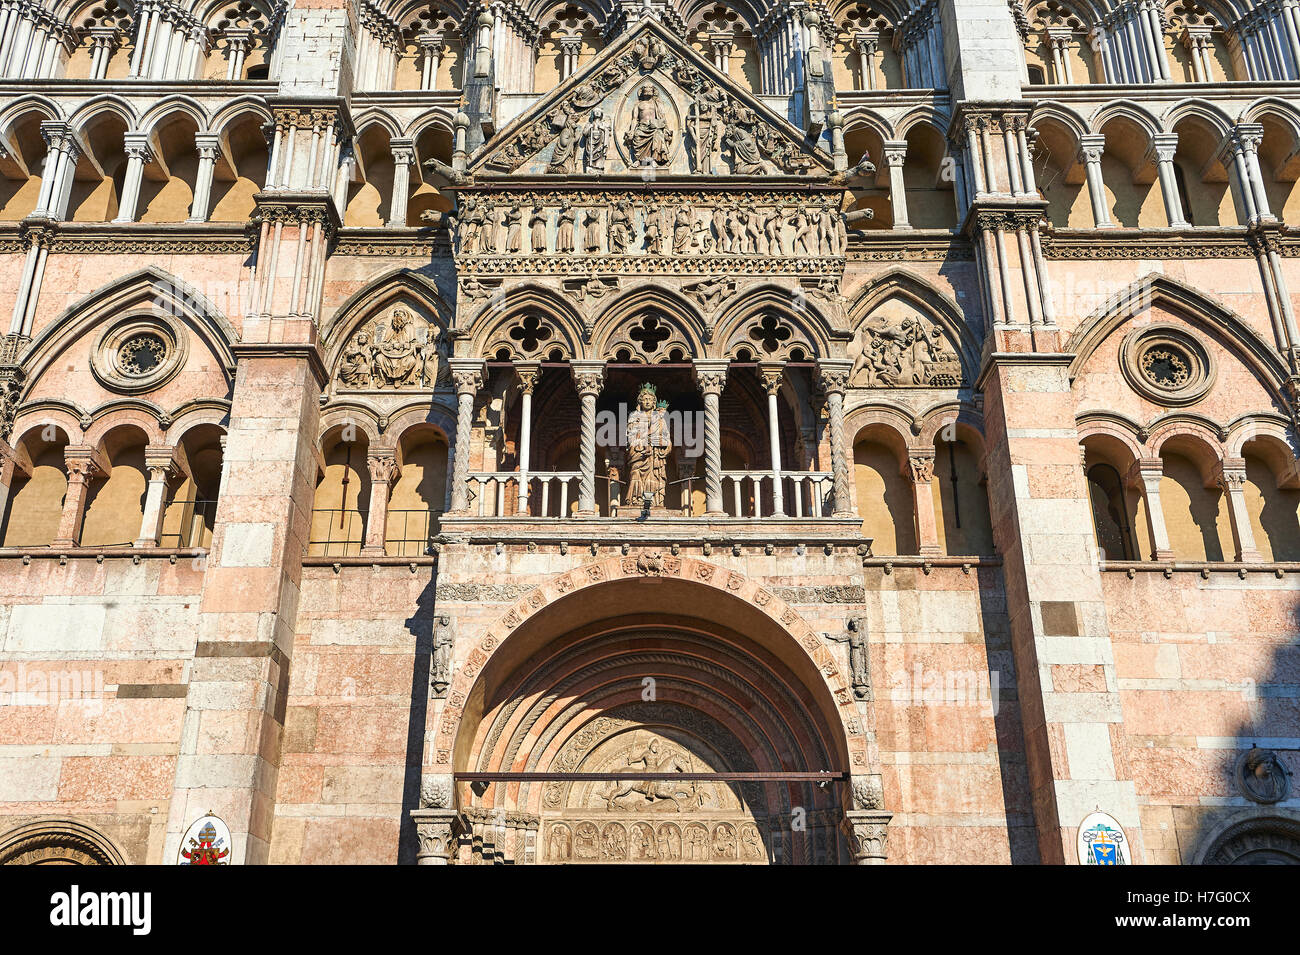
<point x="596" y="140"/>
<point x="591" y="232"/>
<point x="648" y="447"/>
<point x="620" y="226"/>
<point x="537" y="226"/>
<point x="657" y="756"/>
<point x="400" y="351"/>
<point x="564" y="227"/>
<point x="805" y="234"/>
<point x="653" y="229"/>
<point x="356" y="367"/>
<point x="683" y="224"/>
<point x="397" y="359"/>
<point x="772" y="231"/>
<point x="565" y="157"/>
<point x="514" y="227"/>
<point x="904" y="353"/>
<point x="740" y="138"/>
<point x="649" y="138"/>
<point x="471" y="224"/>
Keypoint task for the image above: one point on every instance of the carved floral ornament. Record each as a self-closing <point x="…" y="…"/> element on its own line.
<point x="397" y="350"/>
<point x="1167" y="365"/>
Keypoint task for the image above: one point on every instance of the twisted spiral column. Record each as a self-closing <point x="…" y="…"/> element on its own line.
<point x="588" y="380"/>
<point x="711" y="375"/>
<point x="467" y="373"/>
<point x="834" y="379"/>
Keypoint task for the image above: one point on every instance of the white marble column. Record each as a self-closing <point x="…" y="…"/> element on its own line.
<point x="528" y="372"/>
<point x="1091" y="148"/>
<point x="207" y="145"/>
<point x="139" y="155"/>
<point x="1232" y="481"/>
<point x="160" y="462"/>
<point x="1147" y="473"/>
<point x="711" y="376"/>
<point x="895" y="152"/>
<point x="467" y="373"/>
<point x="771" y="374"/>
<point x="1163" y="147"/>
<point x="403" y="157"/>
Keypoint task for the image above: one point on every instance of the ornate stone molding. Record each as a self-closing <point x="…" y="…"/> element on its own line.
<point x="868" y="835"/>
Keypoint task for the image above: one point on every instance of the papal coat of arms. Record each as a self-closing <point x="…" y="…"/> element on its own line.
<point x="1101" y="841"/>
<point x="206" y="842"/>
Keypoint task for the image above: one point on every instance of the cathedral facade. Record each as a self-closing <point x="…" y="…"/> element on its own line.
<point x="656" y="432"/>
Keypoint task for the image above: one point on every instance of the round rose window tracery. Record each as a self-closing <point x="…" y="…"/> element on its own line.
<point x="138" y="353"/>
<point x="1167" y="365"/>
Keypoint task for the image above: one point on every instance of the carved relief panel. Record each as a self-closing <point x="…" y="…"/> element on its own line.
<point x="397" y="350"/>
<point x="898" y="346"/>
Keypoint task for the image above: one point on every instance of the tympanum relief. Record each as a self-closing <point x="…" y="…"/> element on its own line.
<point x="397" y="350"/>
<point x="656" y="108"/>
<point x="649" y="821"/>
<point x="897" y="347"/>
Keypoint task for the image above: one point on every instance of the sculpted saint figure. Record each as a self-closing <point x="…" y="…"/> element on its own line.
<point x="649" y="138"/>
<point x="355" y="369"/>
<point x="653" y="229"/>
<point x="514" y="227"/>
<point x="648" y="447"/>
<point x="565" y="156"/>
<point x="564" y="227"/>
<point x="397" y="358"/>
<point x="620" y="226"/>
<point x="591" y="233"/>
<point x="472" y="217"/>
<point x="683" y="222"/>
<point x="537" y="227"/>
<point x="596" y="140"/>
<point x="746" y="160"/>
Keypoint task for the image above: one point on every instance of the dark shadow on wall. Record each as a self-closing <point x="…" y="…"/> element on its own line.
<point x="1261" y="774"/>
<point x="1022" y="834"/>
<point x="420" y="626"/>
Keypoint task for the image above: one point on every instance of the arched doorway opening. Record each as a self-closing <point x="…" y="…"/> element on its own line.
<point x="650" y="720"/>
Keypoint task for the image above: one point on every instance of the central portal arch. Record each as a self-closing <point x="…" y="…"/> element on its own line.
<point x="660" y="677"/>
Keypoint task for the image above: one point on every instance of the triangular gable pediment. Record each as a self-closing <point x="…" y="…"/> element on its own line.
<point x="650" y="106"/>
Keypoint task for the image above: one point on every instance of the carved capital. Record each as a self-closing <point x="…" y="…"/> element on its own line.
<point x="922" y="465"/>
<point x="467" y="373"/>
<point x="383" y="468"/>
<point x="868" y="833"/>
<point x="433" y="829"/>
<point x="833" y="376"/>
<point x="588" y="377"/>
<point x="770" y="373"/>
<point x="711" y="376"/>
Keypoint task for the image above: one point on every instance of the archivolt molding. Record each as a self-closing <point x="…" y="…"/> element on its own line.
<point x="526" y="323"/>
<point x="147" y="292"/>
<point x="58" y="840"/>
<point x="449" y="727"/>
<point x="1194" y="307"/>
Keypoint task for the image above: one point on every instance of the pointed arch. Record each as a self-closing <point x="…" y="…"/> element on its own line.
<point x="146" y="290"/>
<point x="538" y="306"/>
<point x="811" y="329"/>
<point x="924" y="297"/>
<point x="1195" y="307"/>
<point x="682" y="326"/>
<point x="376" y="295"/>
<point x="96" y="107"/>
